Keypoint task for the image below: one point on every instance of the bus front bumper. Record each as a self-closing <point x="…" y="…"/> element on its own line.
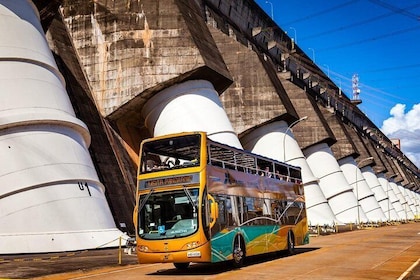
<point x="197" y="255"/>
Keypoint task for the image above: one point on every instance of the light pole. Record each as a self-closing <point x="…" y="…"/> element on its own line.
<point x="295" y="37"/>
<point x="271" y="4"/>
<point x="285" y="133"/>
<point x="313" y="54"/>
<point x="357" y="188"/>
<point x="339" y="89"/>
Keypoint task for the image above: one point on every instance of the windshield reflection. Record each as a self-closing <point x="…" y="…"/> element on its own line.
<point x="168" y="214"/>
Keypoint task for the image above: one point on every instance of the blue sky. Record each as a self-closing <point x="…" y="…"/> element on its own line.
<point x="379" y="40"/>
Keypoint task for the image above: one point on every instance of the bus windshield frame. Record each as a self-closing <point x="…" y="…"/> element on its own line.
<point x="169" y="214"/>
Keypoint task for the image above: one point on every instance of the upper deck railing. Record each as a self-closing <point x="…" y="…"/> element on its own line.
<point x="235" y="159"/>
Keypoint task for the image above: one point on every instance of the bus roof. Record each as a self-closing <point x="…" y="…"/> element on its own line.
<point x="243" y="157"/>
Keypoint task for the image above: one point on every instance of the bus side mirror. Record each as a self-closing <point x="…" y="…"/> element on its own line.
<point x="214" y="210"/>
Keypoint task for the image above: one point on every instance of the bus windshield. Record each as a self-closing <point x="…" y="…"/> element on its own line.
<point x="174" y="153"/>
<point x="169" y="214"/>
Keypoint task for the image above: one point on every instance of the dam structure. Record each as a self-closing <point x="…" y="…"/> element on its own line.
<point x="84" y="82"/>
<point x="51" y="198"/>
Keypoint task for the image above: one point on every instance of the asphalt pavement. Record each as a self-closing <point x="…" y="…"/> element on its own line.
<point x="387" y="252"/>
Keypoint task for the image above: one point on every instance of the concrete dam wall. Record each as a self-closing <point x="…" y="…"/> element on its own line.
<point x="124" y="71"/>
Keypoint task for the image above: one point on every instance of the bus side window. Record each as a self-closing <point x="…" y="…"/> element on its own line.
<point x="229" y="212"/>
<point x="251" y="213"/>
<point x="222" y="212"/>
<point x="249" y="202"/>
<point x="221" y="219"/>
<point x="258" y="205"/>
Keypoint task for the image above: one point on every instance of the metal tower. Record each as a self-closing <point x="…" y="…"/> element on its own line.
<point x="356" y="91"/>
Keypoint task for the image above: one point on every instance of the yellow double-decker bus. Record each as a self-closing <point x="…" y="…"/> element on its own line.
<point x="203" y="201"/>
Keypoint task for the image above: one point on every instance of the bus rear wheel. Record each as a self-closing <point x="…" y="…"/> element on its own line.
<point x="290" y="243"/>
<point x="238" y="252"/>
<point x="184" y="265"/>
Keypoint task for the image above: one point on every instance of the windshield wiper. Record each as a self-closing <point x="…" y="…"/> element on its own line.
<point x="187" y="192"/>
<point x="143" y="202"/>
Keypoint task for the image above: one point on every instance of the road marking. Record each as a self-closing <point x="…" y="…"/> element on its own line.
<point x="408" y="271"/>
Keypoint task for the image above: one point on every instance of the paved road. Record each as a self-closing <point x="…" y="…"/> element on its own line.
<point x="389" y="252"/>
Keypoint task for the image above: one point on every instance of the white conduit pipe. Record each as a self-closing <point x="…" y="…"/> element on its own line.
<point x="408" y="207"/>
<point x="402" y="212"/>
<point x="271" y="141"/>
<point x="51" y="199"/>
<point x="416" y="202"/>
<point x="377" y="189"/>
<point x="388" y="204"/>
<point x="362" y="190"/>
<point x="417" y="199"/>
<point x="334" y="185"/>
<point x="190" y="106"/>
<point x="401" y="204"/>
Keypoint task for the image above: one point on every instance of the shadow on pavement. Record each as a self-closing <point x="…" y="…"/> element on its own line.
<point x="217" y="268"/>
<point x="39" y="265"/>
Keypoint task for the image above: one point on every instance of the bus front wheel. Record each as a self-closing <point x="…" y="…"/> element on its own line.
<point x="182" y="265"/>
<point x="238" y="252"/>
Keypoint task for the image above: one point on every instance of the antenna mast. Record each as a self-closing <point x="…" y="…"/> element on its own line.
<point x="356" y="91"/>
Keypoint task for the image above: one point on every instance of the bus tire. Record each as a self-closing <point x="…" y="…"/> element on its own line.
<point x="182" y="266"/>
<point x="290" y="243"/>
<point x="238" y="252"/>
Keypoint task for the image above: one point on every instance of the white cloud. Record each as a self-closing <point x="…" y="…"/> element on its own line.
<point x="406" y="127"/>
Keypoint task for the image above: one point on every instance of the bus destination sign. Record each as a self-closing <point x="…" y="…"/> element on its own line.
<point x="169" y="181"/>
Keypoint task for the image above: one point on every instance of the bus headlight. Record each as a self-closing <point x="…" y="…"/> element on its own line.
<point x="142" y="248"/>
